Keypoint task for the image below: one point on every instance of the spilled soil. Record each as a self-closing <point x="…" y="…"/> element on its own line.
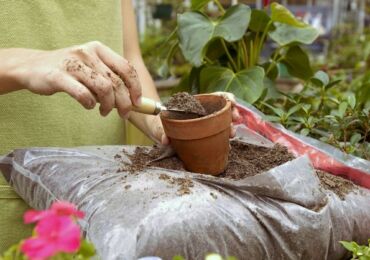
<point x="337" y="184"/>
<point x="245" y="160"/>
<point x="183" y="101"/>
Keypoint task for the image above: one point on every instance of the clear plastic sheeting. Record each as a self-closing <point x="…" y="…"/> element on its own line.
<point x="283" y="213"/>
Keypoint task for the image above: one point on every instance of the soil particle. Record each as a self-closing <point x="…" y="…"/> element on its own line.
<point x="184" y="184"/>
<point x="337" y="184"/>
<point x="127" y="187"/>
<point x="185" y="102"/>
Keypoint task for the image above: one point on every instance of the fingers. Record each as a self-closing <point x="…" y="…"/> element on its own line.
<point x="95" y="82"/>
<point x="65" y="83"/>
<point x="232" y="131"/>
<point x="122" y="68"/>
<point x="231" y="97"/>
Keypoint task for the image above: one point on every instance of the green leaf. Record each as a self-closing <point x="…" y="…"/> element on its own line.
<point x="178" y="257"/>
<point x="196" y="30"/>
<point x="246" y="84"/>
<point x="294" y="109"/>
<point x="320" y="79"/>
<point x="282" y="15"/>
<point x="350" y="246"/>
<point x="285" y="34"/>
<point x="298" y="63"/>
<point x="278" y="111"/>
<point x="306" y="108"/>
<point x="273" y="73"/>
<point x="198" y="4"/>
<point x="342" y="109"/>
<point x="305" y="131"/>
<point x="272" y="118"/>
<point x="87" y="249"/>
<point x="259" y="21"/>
<point x="355" y="138"/>
<point x="333" y="83"/>
<point x="351" y="99"/>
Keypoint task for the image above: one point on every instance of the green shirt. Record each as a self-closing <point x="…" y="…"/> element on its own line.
<point x="27" y="119"/>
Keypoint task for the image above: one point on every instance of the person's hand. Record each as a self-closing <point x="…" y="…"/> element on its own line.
<point x="157" y="132"/>
<point x="90" y="73"/>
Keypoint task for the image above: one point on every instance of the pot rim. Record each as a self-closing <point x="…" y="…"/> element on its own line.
<point x="226" y="107"/>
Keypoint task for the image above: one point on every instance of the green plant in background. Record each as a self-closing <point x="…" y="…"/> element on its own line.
<point x="358" y="252"/>
<point x="225" y="52"/>
<point x="327" y="110"/>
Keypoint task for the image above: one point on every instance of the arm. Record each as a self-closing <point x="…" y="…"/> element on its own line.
<point x="150" y="125"/>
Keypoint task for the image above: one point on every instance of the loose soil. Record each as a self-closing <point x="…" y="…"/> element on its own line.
<point x="183" y="101"/>
<point x="337" y="184"/>
<point x="245" y="160"/>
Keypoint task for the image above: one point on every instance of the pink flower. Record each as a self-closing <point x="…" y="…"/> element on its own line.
<point x="54" y="234"/>
<point x="266" y="3"/>
<point x="60" y="208"/>
<point x="56" y="231"/>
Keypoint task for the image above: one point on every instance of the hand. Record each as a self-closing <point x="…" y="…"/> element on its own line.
<point x="90" y="73"/>
<point x="157" y="132"/>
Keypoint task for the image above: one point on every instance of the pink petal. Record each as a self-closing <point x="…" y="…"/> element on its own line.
<point x="38" y="248"/>
<point x="49" y="226"/>
<point x="66" y="209"/>
<point x="70" y="238"/>
<point x="34" y="215"/>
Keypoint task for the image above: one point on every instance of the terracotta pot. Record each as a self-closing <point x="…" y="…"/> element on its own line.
<point x="202" y="143"/>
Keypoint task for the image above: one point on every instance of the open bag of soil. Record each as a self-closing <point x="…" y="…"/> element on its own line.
<point x="267" y="205"/>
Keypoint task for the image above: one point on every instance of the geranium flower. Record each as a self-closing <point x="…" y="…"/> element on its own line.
<point x="60" y="208"/>
<point x="56" y="231"/>
<point x="53" y="234"/>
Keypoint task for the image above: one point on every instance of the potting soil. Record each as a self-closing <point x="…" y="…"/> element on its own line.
<point x="183" y="101"/>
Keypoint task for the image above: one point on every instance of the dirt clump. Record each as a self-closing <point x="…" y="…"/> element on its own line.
<point x="184" y="183"/>
<point x="336" y="184"/>
<point x="185" y="102"/>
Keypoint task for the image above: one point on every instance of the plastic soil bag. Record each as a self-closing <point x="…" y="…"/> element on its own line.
<point x="267" y="205"/>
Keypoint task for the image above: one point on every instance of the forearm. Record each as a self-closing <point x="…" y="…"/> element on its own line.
<point x="10" y="60"/>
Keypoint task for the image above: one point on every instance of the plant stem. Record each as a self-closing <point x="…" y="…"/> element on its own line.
<point x="251" y="55"/>
<point x="274" y="61"/>
<point x="208" y="60"/>
<point x="229" y="55"/>
<point x="263" y="38"/>
<point x="219" y="5"/>
<point x="246" y="62"/>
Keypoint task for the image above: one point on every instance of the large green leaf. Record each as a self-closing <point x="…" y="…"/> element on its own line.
<point x="298" y="63"/>
<point x="198" y="4"/>
<point x="246" y="84"/>
<point x="259" y="20"/>
<point x="196" y="30"/>
<point x="320" y="79"/>
<point x="285" y="34"/>
<point x="282" y="15"/>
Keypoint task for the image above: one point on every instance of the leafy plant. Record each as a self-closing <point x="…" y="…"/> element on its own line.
<point x="225" y="52"/>
<point x="327" y="110"/>
<point x="358" y="252"/>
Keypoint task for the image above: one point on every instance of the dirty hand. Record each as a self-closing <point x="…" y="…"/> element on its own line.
<point x="157" y="129"/>
<point x="90" y="73"/>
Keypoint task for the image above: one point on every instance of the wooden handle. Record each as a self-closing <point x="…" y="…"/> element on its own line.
<point x="148" y="106"/>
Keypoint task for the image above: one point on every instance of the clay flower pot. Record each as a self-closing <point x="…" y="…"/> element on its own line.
<point x="202" y="143"/>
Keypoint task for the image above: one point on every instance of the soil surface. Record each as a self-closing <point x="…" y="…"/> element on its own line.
<point x="185" y="102"/>
<point x="337" y="184"/>
<point x="245" y="160"/>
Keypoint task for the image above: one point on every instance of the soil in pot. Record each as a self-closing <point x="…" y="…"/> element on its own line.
<point x="245" y="160"/>
<point x="183" y="101"/>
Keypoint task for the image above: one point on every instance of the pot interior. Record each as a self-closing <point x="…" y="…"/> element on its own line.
<point x="210" y="103"/>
